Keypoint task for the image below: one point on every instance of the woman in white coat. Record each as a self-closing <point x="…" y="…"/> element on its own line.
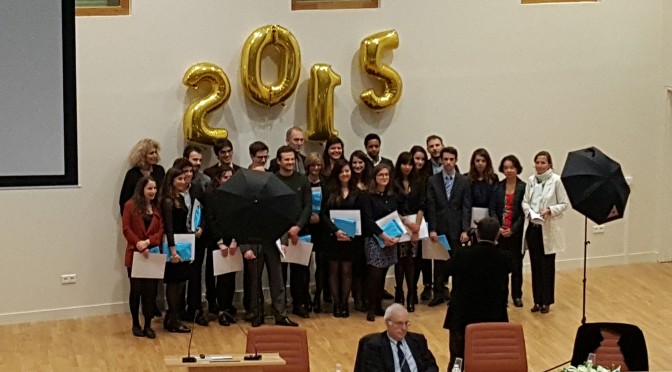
<point x="544" y="203"/>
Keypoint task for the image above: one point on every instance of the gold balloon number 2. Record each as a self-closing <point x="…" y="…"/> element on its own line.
<point x="323" y="81"/>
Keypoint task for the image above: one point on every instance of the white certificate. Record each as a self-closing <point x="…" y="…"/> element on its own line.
<point x="422" y="234"/>
<point x="348" y="214"/>
<point x="478" y="214"/>
<point x="434" y="251"/>
<point x="392" y="216"/>
<point x="299" y="253"/>
<point x="148" y="268"/>
<point x="229" y="264"/>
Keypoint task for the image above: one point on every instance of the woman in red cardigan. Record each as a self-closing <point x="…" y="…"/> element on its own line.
<point x="143" y="228"/>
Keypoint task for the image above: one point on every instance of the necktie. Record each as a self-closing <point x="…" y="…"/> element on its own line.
<point x="449" y="186"/>
<point x="402" y="359"/>
<point x="299" y="164"/>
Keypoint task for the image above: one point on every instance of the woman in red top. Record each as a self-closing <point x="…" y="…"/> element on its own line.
<point x="505" y="205"/>
<point x="143" y="228"/>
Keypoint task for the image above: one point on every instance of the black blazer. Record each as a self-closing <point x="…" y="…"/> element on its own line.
<point x="451" y="217"/>
<point x="374" y="353"/>
<point x="497" y="205"/>
<point x="480" y="286"/>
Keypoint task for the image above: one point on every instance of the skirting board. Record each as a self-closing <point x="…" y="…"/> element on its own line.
<point x="121" y="307"/>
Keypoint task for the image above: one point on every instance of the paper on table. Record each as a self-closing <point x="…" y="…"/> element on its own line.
<point x="298" y="253"/>
<point x="229" y="264"/>
<point x="536" y="218"/>
<point x="392" y="216"/>
<point x="348" y="214"/>
<point x="422" y="234"/>
<point x="152" y="267"/>
<point x="434" y="251"/>
<point x="477" y="214"/>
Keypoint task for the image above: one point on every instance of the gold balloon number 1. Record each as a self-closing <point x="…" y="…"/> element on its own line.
<point x="323" y="81"/>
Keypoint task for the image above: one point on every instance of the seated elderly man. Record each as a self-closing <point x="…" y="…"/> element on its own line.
<point x="395" y="350"/>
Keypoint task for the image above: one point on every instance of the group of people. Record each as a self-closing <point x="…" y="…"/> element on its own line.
<point x="424" y="184"/>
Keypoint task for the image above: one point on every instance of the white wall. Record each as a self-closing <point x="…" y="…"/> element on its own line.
<point x="497" y="74"/>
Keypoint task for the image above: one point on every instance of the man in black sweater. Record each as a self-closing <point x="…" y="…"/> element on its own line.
<point x="300" y="275"/>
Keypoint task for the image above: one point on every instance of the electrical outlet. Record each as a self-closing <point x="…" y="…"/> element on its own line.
<point x="598" y="229"/>
<point x="68" y="278"/>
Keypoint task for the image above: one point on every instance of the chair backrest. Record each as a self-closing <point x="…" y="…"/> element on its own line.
<point x="291" y="343"/>
<point x="613" y="344"/>
<point x="495" y="347"/>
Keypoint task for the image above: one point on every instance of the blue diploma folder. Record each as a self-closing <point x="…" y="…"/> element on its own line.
<point x="182" y="249"/>
<point x="347" y="226"/>
<point x="444" y="242"/>
<point x="392" y="229"/>
<point x="198" y="213"/>
<point x="317" y="201"/>
<point x="306" y="238"/>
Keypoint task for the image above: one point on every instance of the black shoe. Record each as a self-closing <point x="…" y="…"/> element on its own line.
<point x="545" y="309"/>
<point x="370" y="316"/>
<point x="345" y="312"/>
<point x="178" y="327"/>
<point x="399" y="297"/>
<point x="286" y="322"/>
<point x="200" y="319"/>
<point x="149" y="333"/>
<point x="223" y="321"/>
<point x="535" y="308"/>
<point x="387" y="295"/>
<point x="410" y="308"/>
<point x="157" y="313"/>
<point x="137" y="331"/>
<point x="336" y="311"/>
<point x="230" y="316"/>
<point x="426" y="294"/>
<point x="517" y="302"/>
<point x="435" y="301"/>
<point x="257" y="321"/>
<point x="301" y="311"/>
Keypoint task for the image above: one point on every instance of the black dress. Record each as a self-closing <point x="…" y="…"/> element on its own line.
<point x="175" y="222"/>
<point x="337" y="250"/>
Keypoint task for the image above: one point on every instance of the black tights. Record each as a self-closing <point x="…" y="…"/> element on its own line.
<point x="375" y="283"/>
<point x="405" y="268"/>
<point x="142" y="290"/>
<point x="340" y="281"/>
<point x="176" y="302"/>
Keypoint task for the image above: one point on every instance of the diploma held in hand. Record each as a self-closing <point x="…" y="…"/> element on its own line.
<point x="151" y="267"/>
<point x="230" y="264"/>
<point x="298" y="253"/>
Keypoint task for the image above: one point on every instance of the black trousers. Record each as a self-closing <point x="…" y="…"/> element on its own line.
<point x="444" y="269"/>
<point x="422" y="266"/>
<point x="299" y="283"/>
<point x="269" y="256"/>
<point x="211" y="294"/>
<point x="142" y="291"/>
<point x="226" y="289"/>
<point x="456" y="347"/>
<point x="194" y="284"/>
<point x="543" y="267"/>
<point x="514" y="244"/>
<point x="175" y="299"/>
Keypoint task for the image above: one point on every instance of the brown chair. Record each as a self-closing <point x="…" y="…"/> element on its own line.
<point x="291" y="343"/>
<point x="495" y="347"/>
<point x="613" y="344"/>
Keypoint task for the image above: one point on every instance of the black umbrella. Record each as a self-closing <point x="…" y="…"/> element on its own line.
<point x="255" y="207"/>
<point x="597" y="189"/>
<point x="595" y="185"/>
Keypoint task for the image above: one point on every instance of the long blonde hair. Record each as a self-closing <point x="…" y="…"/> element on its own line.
<point x="138" y="156"/>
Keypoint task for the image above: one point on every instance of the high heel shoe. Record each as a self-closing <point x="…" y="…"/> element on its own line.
<point x="345" y="312"/>
<point x="336" y="311"/>
<point x="410" y="308"/>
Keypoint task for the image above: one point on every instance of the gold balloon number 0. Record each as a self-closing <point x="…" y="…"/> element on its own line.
<point x="321" y="86"/>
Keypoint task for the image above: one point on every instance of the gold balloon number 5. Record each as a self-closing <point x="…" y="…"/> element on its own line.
<point x="370" y="52"/>
<point x="195" y="127"/>
<point x="288" y="70"/>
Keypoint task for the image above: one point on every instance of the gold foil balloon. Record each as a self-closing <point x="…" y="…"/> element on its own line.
<point x="320" y="118"/>
<point x="196" y="129"/>
<point x="288" y="70"/>
<point x="370" y="52"/>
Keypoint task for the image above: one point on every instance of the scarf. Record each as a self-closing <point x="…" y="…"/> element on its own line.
<point x="538" y="188"/>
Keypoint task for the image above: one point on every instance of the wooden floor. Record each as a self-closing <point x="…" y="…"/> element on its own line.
<point x="639" y="294"/>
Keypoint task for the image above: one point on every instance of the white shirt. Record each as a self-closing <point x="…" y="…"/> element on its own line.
<point x="407" y="354"/>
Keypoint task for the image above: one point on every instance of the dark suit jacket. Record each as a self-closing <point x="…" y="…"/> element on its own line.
<point x="497" y="205"/>
<point x="374" y="353"/>
<point x="210" y="171"/>
<point x="451" y="217"/>
<point x="135" y="231"/>
<point x="480" y="282"/>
